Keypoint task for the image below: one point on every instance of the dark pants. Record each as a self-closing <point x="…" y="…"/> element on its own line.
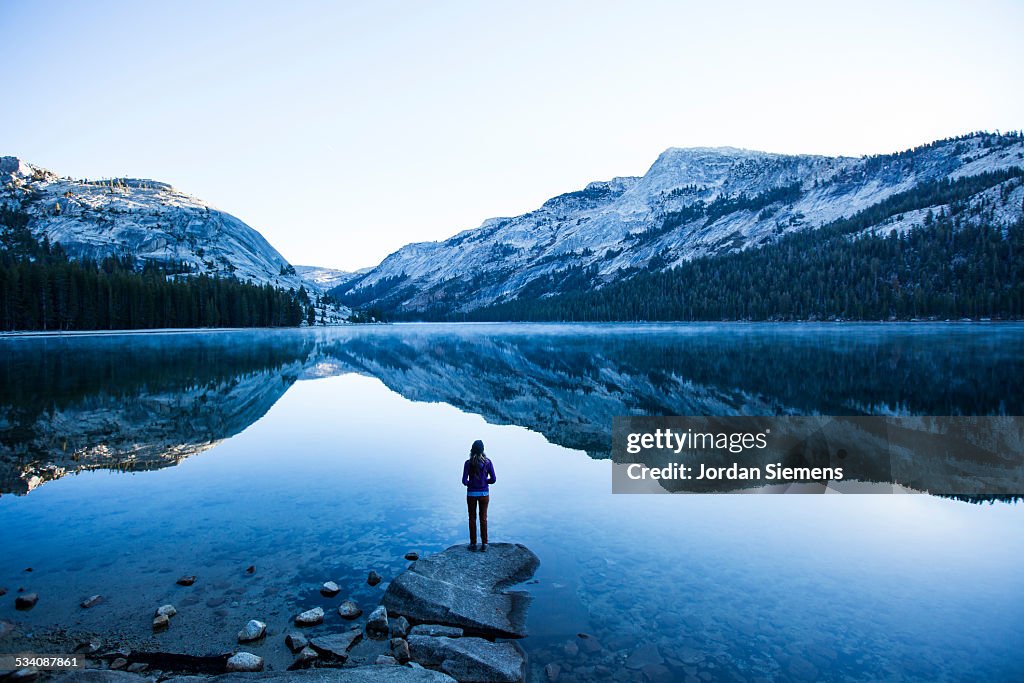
<point x="472" y="502"/>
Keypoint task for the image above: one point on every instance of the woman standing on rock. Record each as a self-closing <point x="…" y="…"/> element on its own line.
<point x="477" y="475"/>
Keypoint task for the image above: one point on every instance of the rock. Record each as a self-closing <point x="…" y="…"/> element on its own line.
<point x="399" y="627"/>
<point x="3" y="591"/>
<point x="435" y="630"/>
<point x="644" y="655"/>
<point x="166" y="610"/>
<point x="137" y="667"/>
<point x="26" y="601"/>
<point x="400" y="649"/>
<point x="304" y="659"/>
<point x="589" y="644"/>
<point x="459" y="588"/>
<point x="253" y="630"/>
<point x="377" y="624"/>
<point x="470" y="660"/>
<point x="373" y="578"/>
<point x="186" y="581"/>
<point x="349" y="610"/>
<point x="295" y="641"/>
<point x="119" y="663"/>
<point x="251" y="569"/>
<point x="336" y="646"/>
<point x="91" y="601"/>
<point x="160" y="622"/>
<point x="412" y="556"/>
<point x="245" y="661"/>
<point x="89" y="647"/>
<point x="551" y="671"/>
<point x="330" y="589"/>
<point x="386" y="659"/>
<point x="310" y="617"/>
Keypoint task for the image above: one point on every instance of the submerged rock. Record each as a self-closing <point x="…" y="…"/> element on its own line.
<point x="330" y="589"/>
<point x="253" y="630"/>
<point x="245" y="661"/>
<point x="460" y="588"/>
<point x="160" y="622"/>
<point x="310" y="617"/>
<point x="373" y="578"/>
<point x="377" y="624"/>
<point x="186" y="580"/>
<point x="470" y="660"/>
<point x="349" y="610"/>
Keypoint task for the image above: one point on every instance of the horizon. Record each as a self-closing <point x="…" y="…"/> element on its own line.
<point x="344" y="133"/>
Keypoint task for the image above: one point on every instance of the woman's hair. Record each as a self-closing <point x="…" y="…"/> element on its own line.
<point x="477" y="459"/>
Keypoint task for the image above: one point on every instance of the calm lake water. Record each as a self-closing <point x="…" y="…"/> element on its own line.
<point x="128" y="461"/>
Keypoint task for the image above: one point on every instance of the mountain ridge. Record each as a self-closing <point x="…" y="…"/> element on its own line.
<point x="692" y="202"/>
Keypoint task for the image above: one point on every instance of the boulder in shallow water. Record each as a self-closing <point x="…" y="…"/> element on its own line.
<point x="26" y="601"/>
<point x="470" y="660"/>
<point x="295" y="641"/>
<point x="461" y="588"/>
<point x="253" y="630"/>
<point x="377" y="624"/>
<point x="373" y="578"/>
<point x="186" y="580"/>
<point x="160" y="622"/>
<point x="166" y="611"/>
<point x="330" y="589"/>
<point x="310" y="617"/>
<point x="399" y="627"/>
<point x="400" y="649"/>
<point x="245" y="661"/>
<point x="336" y="646"/>
<point x="349" y="610"/>
<point x="304" y="659"/>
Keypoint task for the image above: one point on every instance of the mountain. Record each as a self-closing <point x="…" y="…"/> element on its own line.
<point x="692" y="203"/>
<point x="144" y="219"/>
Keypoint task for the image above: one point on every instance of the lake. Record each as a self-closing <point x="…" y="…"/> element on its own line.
<point x="127" y="461"/>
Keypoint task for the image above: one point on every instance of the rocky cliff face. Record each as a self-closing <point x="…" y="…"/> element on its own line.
<point x="144" y="219"/>
<point x="691" y="203"/>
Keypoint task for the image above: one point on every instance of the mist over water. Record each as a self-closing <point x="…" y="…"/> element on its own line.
<point x="318" y="455"/>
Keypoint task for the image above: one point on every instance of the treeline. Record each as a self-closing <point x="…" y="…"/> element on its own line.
<point x="935" y="271"/>
<point x="42" y="289"/>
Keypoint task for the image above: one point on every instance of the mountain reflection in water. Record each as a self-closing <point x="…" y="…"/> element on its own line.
<point x="147" y="401"/>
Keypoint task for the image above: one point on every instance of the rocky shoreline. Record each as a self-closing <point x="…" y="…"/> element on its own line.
<point x="450" y="616"/>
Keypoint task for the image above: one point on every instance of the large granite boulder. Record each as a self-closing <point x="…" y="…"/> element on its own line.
<point x="470" y="660"/>
<point x="459" y="587"/>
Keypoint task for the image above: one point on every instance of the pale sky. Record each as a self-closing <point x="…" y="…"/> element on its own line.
<point x="342" y="131"/>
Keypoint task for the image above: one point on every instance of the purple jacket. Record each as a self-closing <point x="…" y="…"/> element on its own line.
<point x="481" y="480"/>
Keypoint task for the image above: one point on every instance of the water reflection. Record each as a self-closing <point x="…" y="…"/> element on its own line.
<point x="147" y="401"/>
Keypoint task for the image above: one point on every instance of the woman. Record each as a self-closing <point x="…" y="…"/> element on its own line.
<point x="477" y="475"/>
